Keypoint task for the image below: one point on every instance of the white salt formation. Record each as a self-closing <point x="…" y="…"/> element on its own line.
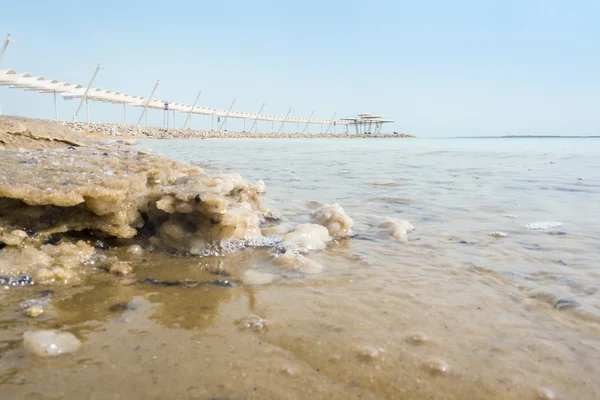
<point x="397" y="229"/>
<point x="309" y="236"/>
<point x="50" y="343"/>
<point x="334" y="218"/>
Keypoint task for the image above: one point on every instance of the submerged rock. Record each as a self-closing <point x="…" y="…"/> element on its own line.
<point x="251" y="277"/>
<point x="252" y="322"/>
<point x="291" y="257"/>
<point x="188" y="283"/>
<point x="563" y="304"/>
<point x="368" y="353"/>
<point x="47" y="276"/>
<point x="334" y="218"/>
<point x="50" y="343"/>
<point x="135" y="250"/>
<point x="33" y="307"/>
<point x="120" y="268"/>
<point x="437" y="367"/>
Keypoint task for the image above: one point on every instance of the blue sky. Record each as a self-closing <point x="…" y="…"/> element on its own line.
<point x="439" y="68"/>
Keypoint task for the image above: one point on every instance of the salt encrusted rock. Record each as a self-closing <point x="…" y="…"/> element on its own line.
<point x="334" y="218"/>
<point x="115" y="192"/>
<point x="309" y="236"/>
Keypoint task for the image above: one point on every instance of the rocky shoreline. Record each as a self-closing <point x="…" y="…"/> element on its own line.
<point x="67" y="199"/>
<point x="152" y="132"/>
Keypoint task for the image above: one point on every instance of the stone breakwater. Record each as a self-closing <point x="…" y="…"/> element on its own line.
<point x="123" y="130"/>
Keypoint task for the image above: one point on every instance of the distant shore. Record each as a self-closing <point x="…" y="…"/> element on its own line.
<point x="152" y="132"/>
<point x="530" y="137"/>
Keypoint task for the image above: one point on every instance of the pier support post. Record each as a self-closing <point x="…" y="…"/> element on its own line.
<point x="283" y="122"/>
<point x="189" y="117"/>
<point x="257" y="116"/>
<point x="145" y="112"/>
<point x="227" y="115"/>
<point x="85" y="94"/>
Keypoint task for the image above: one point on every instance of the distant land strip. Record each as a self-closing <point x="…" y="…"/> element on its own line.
<point x="529" y="137"/>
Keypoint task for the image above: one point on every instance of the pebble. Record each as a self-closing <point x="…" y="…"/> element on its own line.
<point x="563" y="304"/>
<point x="252" y="322"/>
<point x="498" y="234"/>
<point x="290" y="371"/>
<point x="252" y="277"/>
<point x="135" y="249"/>
<point x="50" y="343"/>
<point x="220" y="272"/>
<point x="32" y="310"/>
<point x="438" y="367"/>
<point x="99" y="244"/>
<point x="417" y="339"/>
<point x="53" y="240"/>
<point x="120" y="268"/>
<point x="530" y="246"/>
<point x="368" y="353"/>
<point x="121" y="307"/>
<point x="559" y="233"/>
<point x="188" y="283"/>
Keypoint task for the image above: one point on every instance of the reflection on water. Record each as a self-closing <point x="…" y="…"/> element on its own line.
<point x="460" y="311"/>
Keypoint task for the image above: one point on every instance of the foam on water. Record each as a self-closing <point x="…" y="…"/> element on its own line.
<point x="543" y="225"/>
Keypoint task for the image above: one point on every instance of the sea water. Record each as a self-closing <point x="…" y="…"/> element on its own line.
<point x="494" y="295"/>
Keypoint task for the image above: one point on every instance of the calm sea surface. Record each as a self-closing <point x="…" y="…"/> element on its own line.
<point x="508" y="310"/>
<point x="494" y="296"/>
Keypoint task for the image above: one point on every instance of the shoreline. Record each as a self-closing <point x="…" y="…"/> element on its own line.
<point x="152" y="132"/>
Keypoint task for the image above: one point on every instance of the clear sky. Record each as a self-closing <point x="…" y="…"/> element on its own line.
<point x="438" y="68"/>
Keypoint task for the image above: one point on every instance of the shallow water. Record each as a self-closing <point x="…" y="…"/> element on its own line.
<point x="457" y="312"/>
